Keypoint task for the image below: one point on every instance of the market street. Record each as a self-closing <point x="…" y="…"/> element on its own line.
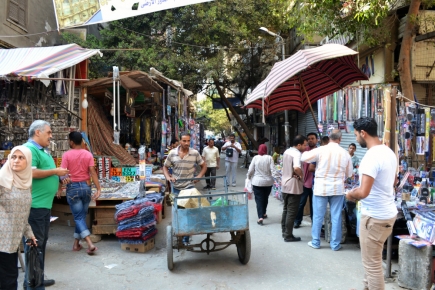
<point x="274" y="264"/>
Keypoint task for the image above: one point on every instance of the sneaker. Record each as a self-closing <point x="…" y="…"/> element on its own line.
<point x="312" y="246"/>
<point x="296" y="226"/>
<point x="338" y="248"/>
<point x="206" y="187"/>
<point x="213" y="188"/>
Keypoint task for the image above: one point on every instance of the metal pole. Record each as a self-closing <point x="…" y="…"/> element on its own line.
<point x="286" y="123"/>
<point x="114" y="100"/>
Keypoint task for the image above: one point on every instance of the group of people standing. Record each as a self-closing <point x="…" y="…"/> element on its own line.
<point x="29" y="181"/>
<point x="318" y="174"/>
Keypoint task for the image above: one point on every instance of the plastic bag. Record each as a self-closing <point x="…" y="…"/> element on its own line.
<point x="220" y="201"/>
<point x="35" y="273"/>
<point x="248" y="188"/>
<point x="248" y="185"/>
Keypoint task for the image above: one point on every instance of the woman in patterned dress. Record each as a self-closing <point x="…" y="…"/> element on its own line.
<point x="15" y="202"/>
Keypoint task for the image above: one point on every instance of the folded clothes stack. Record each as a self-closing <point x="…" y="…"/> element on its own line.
<point x="136" y="221"/>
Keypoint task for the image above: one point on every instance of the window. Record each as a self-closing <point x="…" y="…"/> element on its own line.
<point x="18" y="12"/>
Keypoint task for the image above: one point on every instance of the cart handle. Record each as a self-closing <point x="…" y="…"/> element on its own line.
<point x="202" y="178"/>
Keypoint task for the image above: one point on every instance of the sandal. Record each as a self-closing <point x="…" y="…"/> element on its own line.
<point x="265" y="216"/>
<point x="91" y="252"/>
<point x="77" y="249"/>
<point x="260" y="222"/>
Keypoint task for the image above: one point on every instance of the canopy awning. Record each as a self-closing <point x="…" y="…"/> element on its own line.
<point x="41" y="62"/>
<point x="172" y="83"/>
<point x="134" y="80"/>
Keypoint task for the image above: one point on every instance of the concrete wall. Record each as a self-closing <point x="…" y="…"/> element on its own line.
<point x="379" y="64"/>
<point x="40" y="18"/>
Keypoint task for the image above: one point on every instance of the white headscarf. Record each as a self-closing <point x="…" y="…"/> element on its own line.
<point x="22" y="179"/>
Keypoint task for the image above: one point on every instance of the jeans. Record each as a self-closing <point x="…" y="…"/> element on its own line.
<point x="290" y="209"/>
<point x="211" y="171"/>
<point x="8" y="270"/>
<point x="78" y="195"/>
<point x="308" y="193"/>
<point x="320" y="203"/>
<point x="373" y="234"/>
<point x="230" y="172"/>
<point x="39" y="220"/>
<point x="261" y="194"/>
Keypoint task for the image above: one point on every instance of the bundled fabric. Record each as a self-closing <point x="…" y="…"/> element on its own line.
<point x="132" y="232"/>
<point x="137" y="222"/>
<point x="130" y="212"/>
<point x="152" y="197"/>
<point x="151" y="233"/>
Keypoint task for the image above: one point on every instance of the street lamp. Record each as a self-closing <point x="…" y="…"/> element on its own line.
<point x="286" y="123"/>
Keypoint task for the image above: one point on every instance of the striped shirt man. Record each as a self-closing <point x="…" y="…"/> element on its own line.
<point x="183" y="168"/>
<point x="333" y="166"/>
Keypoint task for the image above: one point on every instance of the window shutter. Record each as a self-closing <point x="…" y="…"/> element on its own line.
<point x="18" y="11"/>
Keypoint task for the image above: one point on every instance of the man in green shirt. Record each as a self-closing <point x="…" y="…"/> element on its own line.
<point x="45" y="184"/>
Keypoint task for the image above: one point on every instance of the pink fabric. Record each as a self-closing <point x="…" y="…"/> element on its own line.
<point x="78" y="161"/>
<point x="262" y="149"/>
<point x="308" y="176"/>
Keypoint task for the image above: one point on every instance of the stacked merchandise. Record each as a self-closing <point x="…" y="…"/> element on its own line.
<point x="276" y="188"/>
<point x="137" y="219"/>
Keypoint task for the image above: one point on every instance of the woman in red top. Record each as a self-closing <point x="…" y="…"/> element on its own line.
<point x="80" y="164"/>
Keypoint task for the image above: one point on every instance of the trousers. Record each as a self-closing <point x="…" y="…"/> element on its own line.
<point x="211" y="171"/>
<point x="78" y="195"/>
<point x="8" y="271"/>
<point x="307" y="194"/>
<point x="372" y="235"/>
<point x="230" y="170"/>
<point x="39" y="220"/>
<point x="290" y="209"/>
<point x="261" y="194"/>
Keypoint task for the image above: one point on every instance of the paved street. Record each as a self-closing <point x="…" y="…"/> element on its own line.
<point x="274" y="264"/>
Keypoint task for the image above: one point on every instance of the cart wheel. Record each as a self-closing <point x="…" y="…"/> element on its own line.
<point x="169" y="250"/>
<point x="244" y="248"/>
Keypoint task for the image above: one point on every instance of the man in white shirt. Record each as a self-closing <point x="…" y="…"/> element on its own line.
<point x="333" y="166"/>
<point x="292" y="181"/>
<point x="210" y="154"/>
<point x="232" y="150"/>
<point x="378" y="211"/>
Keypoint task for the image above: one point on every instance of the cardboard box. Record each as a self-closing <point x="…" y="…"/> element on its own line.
<point x="139" y="248"/>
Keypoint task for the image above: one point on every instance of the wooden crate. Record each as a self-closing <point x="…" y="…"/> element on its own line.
<point x="103" y="213"/>
<point x="104" y="229"/>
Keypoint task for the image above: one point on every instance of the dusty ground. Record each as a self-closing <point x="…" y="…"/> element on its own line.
<point x="274" y="264"/>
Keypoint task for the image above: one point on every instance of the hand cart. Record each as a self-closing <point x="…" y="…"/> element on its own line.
<point x="228" y="212"/>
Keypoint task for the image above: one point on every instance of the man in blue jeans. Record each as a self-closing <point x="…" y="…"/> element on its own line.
<point x="333" y="166"/>
<point x="45" y="184"/>
<point x="183" y="160"/>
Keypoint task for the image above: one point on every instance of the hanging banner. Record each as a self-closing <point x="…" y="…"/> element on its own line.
<point x="73" y="13"/>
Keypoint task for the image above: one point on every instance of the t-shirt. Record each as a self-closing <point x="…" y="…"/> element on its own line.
<point x="210" y="155"/>
<point x="291" y="160"/>
<point x="235" y="157"/>
<point x="78" y="161"/>
<point x="43" y="189"/>
<point x="183" y="168"/>
<point x="380" y="163"/>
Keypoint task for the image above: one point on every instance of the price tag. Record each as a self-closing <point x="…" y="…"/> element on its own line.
<point x="116" y="178"/>
<point x="116" y="171"/>
<point x="129" y="178"/>
<point x="122" y="179"/>
<point x="58" y="162"/>
<point x="128" y="171"/>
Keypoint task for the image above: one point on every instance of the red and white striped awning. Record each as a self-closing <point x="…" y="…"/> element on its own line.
<point x="41" y="62"/>
<point x="321" y="71"/>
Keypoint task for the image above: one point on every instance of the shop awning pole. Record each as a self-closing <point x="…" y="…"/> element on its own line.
<point x="114" y="101"/>
<point x="119" y="107"/>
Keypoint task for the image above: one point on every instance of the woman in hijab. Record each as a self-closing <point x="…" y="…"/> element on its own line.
<point x="261" y="172"/>
<point x="15" y="201"/>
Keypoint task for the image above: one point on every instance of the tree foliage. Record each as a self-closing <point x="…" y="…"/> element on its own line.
<point x="192" y="43"/>
<point x="218" y="121"/>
